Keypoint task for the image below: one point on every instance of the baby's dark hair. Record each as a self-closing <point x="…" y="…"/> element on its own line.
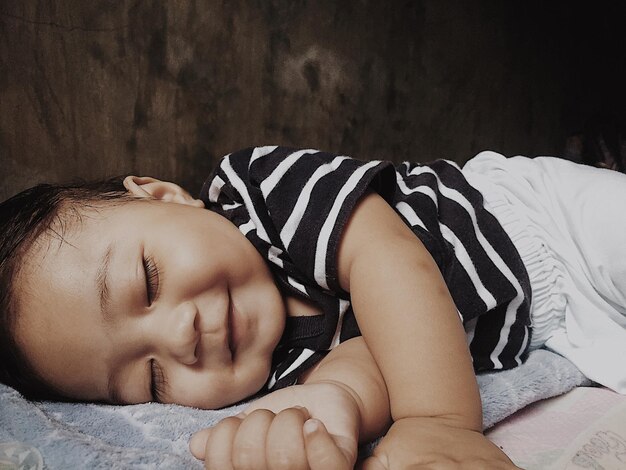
<point x="23" y="219"/>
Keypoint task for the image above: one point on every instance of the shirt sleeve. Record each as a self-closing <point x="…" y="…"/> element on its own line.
<point x="293" y="204"/>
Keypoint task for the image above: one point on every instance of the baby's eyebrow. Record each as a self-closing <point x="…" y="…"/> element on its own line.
<point x="102" y="276"/>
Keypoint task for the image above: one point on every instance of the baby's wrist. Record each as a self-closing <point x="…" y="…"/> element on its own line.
<point x="341" y="388"/>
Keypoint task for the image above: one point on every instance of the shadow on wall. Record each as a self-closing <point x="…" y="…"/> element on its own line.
<point x="90" y="89"/>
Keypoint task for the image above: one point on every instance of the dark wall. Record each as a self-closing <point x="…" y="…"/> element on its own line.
<point x="90" y="89"/>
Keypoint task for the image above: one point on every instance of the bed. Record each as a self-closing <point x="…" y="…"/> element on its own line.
<point x="35" y="435"/>
<point x="584" y="428"/>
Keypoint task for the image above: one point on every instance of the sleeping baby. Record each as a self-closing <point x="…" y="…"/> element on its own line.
<point x="361" y="295"/>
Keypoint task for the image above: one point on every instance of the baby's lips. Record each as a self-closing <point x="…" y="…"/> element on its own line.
<point x="197" y="443"/>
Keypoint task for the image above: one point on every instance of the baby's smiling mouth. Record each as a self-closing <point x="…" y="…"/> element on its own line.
<point x="218" y="343"/>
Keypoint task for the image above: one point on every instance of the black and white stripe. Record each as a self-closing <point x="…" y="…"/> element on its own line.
<point x="293" y="204"/>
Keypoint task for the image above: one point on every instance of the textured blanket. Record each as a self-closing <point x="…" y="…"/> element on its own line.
<point x="62" y="435"/>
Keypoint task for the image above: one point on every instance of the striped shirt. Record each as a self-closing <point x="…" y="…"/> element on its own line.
<point x="292" y="205"/>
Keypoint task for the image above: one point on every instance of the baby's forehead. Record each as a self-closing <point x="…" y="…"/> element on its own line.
<point x="67" y="249"/>
<point x="84" y="225"/>
<point x="74" y="217"/>
<point x="71" y="223"/>
<point x="41" y="264"/>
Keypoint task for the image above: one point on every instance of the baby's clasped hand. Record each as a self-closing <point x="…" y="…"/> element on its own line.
<point x="265" y="440"/>
<point x="277" y="432"/>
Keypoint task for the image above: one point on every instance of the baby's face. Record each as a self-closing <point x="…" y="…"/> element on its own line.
<point x="150" y="295"/>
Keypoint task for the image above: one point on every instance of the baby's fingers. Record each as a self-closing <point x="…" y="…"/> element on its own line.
<point x="285" y="443"/>
<point x="197" y="443"/>
<point x="322" y="451"/>
<point x="219" y="445"/>
<point x="249" y="446"/>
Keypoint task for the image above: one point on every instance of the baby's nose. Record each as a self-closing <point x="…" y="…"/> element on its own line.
<point x="181" y="337"/>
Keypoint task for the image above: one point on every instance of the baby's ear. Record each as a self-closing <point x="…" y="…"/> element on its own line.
<point x="145" y="186"/>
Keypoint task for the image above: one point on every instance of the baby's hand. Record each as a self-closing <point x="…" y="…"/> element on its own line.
<point x="425" y="443"/>
<point x="264" y="440"/>
<point x="274" y="432"/>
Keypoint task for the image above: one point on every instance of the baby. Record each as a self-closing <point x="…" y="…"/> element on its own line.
<point x="363" y="296"/>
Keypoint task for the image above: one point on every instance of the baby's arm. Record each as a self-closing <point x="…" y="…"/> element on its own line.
<point x="412" y="329"/>
<point x="407" y="317"/>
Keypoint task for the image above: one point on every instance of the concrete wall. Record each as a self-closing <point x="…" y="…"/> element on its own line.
<point x="90" y="89"/>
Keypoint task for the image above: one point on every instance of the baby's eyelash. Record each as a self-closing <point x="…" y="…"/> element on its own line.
<point x="152" y="278"/>
<point x="157" y="381"/>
